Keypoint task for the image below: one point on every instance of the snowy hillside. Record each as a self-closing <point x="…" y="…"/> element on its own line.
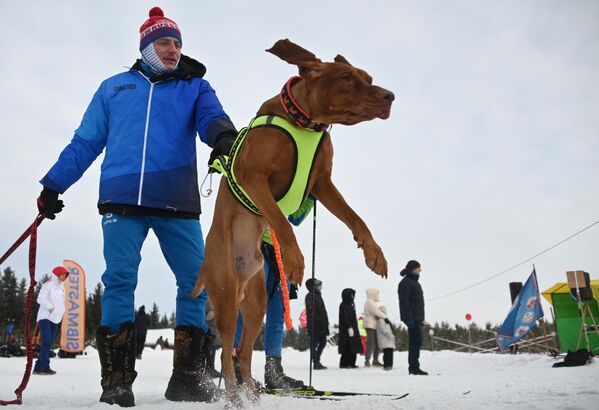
<point x="154" y="334"/>
<point x="457" y="381"/>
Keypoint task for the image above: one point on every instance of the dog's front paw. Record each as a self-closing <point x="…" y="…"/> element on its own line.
<point x="375" y="260"/>
<point x="293" y="263"/>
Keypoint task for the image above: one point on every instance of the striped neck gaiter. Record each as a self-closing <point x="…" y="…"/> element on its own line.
<point x="149" y="56"/>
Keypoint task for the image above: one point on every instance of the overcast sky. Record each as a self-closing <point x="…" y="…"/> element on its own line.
<point x="491" y="153"/>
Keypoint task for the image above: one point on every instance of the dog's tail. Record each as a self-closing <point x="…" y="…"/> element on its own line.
<point x="198" y="288"/>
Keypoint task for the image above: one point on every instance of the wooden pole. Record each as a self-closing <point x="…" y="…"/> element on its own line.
<point x="470" y="339"/>
<point x="545" y="335"/>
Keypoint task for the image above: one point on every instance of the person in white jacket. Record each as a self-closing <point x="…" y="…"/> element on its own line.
<point x="372" y="313"/>
<point x="49" y="315"/>
<point x="386" y="340"/>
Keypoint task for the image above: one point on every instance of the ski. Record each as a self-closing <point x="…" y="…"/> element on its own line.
<point x="309" y="392"/>
<point x="298" y="394"/>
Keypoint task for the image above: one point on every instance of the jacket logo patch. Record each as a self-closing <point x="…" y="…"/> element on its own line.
<point x="124" y="87"/>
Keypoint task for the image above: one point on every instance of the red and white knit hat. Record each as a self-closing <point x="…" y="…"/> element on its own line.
<point x="157" y="26"/>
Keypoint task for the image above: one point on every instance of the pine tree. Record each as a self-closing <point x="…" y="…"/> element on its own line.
<point x="290" y="338"/>
<point x="93" y="312"/>
<point x="303" y="340"/>
<point x="154" y="317"/>
<point x="8" y="297"/>
<point x="21" y="302"/>
<point x="172" y="321"/>
<point x="163" y="322"/>
<point x="2" y="313"/>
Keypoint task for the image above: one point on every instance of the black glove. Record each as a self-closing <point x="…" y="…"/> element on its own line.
<point x="387" y="321"/>
<point x="223" y="146"/>
<point x="292" y="292"/>
<point x="48" y="203"/>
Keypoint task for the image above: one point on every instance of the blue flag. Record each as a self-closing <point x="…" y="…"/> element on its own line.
<point x="523" y="315"/>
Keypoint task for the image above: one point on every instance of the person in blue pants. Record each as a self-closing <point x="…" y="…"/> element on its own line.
<point x="274" y="375"/>
<point x="49" y="316"/>
<point x="147" y="120"/>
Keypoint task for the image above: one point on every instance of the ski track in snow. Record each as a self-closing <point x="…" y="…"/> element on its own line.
<point x="494" y="382"/>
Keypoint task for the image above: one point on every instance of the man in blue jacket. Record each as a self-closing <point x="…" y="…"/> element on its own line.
<point x="146" y="120"/>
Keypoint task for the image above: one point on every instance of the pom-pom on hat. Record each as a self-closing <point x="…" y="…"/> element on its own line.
<point x="157" y="26"/>
<point x="59" y="270"/>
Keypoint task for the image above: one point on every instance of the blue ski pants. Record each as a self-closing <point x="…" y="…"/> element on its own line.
<point x="47" y="334"/>
<point x="182" y="245"/>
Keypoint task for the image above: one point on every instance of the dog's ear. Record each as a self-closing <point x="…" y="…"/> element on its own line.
<point x="340" y="59"/>
<point x="296" y="55"/>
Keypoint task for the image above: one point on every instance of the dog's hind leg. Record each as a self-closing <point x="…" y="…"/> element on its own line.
<point x="252" y="308"/>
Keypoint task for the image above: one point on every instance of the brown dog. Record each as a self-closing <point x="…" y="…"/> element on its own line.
<point x="332" y="93"/>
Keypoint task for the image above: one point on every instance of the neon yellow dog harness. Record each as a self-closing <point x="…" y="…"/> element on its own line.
<point x="306" y="143"/>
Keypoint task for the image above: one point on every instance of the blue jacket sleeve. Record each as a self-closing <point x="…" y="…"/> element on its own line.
<point x="210" y="117"/>
<point x="298" y="216"/>
<point x="89" y="141"/>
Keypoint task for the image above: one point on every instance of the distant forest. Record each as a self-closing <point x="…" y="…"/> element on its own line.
<point x="13" y="294"/>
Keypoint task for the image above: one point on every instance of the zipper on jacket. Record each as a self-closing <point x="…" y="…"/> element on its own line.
<point x="143" y="158"/>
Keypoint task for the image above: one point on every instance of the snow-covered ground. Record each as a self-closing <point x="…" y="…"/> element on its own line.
<point x="493" y="382"/>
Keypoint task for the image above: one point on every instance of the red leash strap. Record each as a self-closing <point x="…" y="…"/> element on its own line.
<point x="284" y="288"/>
<point x="32" y="233"/>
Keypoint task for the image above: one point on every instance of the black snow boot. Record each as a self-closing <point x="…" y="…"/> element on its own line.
<point x="117" y="359"/>
<point x="237" y="369"/>
<point x="210" y="360"/>
<point x="190" y="380"/>
<point x="319" y="366"/>
<point x="275" y="377"/>
<point x="418" y="372"/>
<point x="238" y="377"/>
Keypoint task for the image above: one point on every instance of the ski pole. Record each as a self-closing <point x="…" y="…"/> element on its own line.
<point x="313" y="277"/>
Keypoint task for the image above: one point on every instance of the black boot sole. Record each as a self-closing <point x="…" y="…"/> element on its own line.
<point x="179" y="390"/>
<point x="120" y="396"/>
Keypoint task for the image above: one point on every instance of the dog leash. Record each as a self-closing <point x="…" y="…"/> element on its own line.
<point x="32" y="233"/>
<point x="284" y="288"/>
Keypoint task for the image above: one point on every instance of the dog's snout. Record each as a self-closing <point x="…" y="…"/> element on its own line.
<point x="389" y="96"/>
<point x="384" y="95"/>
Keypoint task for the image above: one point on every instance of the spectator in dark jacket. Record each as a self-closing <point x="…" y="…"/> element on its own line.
<point x="141" y="326"/>
<point x="318" y="320"/>
<point x="411" y="309"/>
<point x="350" y="344"/>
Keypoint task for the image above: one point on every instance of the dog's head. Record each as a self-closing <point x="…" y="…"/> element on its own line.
<point x="336" y="92"/>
